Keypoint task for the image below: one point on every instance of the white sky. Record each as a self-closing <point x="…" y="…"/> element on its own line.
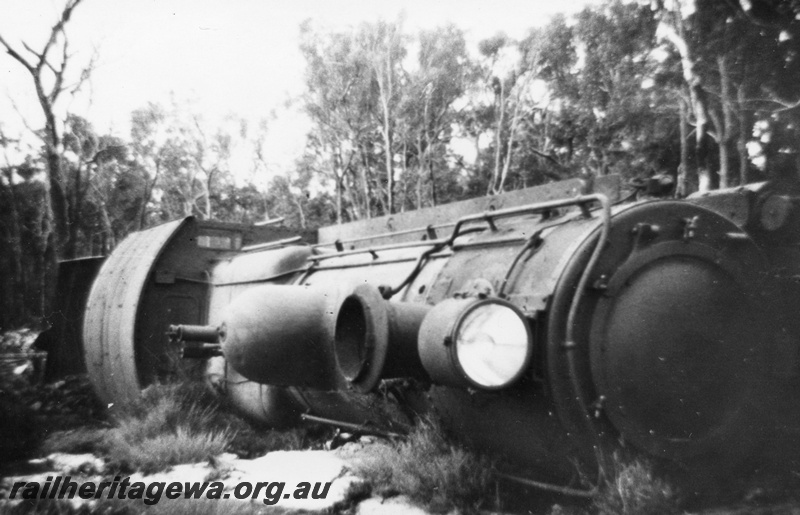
<point x="226" y="56"/>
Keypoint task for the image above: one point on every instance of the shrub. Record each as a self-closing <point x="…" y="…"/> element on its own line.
<point x="429" y="470"/>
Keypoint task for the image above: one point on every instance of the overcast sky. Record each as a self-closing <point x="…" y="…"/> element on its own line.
<point x="238" y="56"/>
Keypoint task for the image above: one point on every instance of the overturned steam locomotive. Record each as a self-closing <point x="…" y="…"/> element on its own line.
<point x="545" y="325"/>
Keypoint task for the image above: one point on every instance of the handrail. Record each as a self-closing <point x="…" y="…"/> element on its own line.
<point x="270" y="244"/>
<point x="387" y="234"/>
<point x="570" y="345"/>
<point x="489" y="217"/>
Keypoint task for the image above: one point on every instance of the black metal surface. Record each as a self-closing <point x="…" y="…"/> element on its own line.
<point x="63" y="341"/>
<point x="668" y="326"/>
<point x="280" y="335"/>
<point x="376" y="339"/>
<point x="629" y="333"/>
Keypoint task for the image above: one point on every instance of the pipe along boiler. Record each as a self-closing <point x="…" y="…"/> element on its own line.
<point x="547" y="325"/>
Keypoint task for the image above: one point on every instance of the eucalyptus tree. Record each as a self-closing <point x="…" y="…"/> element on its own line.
<point x="439" y="77"/>
<point x="740" y="66"/>
<point x="340" y="100"/>
<point x="49" y="68"/>
<point x="186" y="160"/>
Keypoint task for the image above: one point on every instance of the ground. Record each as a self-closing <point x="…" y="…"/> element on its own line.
<point x="180" y="434"/>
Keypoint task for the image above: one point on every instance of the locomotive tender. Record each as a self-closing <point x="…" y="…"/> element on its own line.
<point x="547" y="325"/>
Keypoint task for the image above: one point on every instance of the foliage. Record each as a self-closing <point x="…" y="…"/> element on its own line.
<point x="429" y="469"/>
<point x="403" y="120"/>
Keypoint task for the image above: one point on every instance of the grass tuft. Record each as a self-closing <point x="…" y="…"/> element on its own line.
<point x="74" y="441"/>
<point x="173" y="424"/>
<point x="429" y="470"/>
<point x="159" y="452"/>
<point x="169" y="425"/>
<point x="634" y="489"/>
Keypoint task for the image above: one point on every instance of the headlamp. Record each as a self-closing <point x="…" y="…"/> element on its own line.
<point x="475" y="343"/>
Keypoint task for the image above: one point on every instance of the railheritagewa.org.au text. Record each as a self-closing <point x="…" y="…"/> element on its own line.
<point x="64" y="487"/>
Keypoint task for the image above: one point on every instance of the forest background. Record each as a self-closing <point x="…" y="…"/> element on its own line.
<point x="703" y="94"/>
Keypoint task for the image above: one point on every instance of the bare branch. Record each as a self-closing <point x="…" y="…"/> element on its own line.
<point x="786" y="105"/>
<point x="21" y="116"/>
<point x="57" y="29"/>
<point x="34" y="52"/>
<point x="548" y="157"/>
<point x="13" y="53"/>
<point x="59" y="75"/>
<point x="85" y="74"/>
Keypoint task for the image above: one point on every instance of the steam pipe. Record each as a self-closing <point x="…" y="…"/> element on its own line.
<point x="194" y="333"/>
<point x="197" y="350"/>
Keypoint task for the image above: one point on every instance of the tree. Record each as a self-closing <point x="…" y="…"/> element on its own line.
<point x="385" y="51"/>
<point x="426" y="113"/>
<point x="185" y="161"/>
<point x="48" y="69"/>
<point x="740" y="68"/>
<point x="340" y="101"/>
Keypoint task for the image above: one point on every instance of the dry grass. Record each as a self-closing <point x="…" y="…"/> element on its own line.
<point x="429" y="470"/>
<point x="170" y="424"/>
<point x="74" y="441"/>
<point x="634" y="489"/>
<point x="173" y="424"/>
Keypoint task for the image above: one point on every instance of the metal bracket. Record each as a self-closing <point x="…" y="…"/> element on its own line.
<point x="690" y="227"/>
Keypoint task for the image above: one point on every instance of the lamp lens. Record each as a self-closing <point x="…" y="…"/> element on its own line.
<point x="492" y="344"/>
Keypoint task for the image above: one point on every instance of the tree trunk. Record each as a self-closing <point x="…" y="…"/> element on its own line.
<point x="338" y="199"/>
<point x="75" y="206"/>
<point x="385" y="89"/>
<point x="685" y="177"/>
<point x="148" y="193"/>
<point x="387" y="141"/>
<point x="704" y="178"/>
<point x="404" y="177"/>
<point x="511" y="130"/>
<point x="365" y="171"/>
<point x="209" y="212"/>
<point x="501" y="108"/>
<point x="57" y="202"/>
<point x="300" y="211"/>
<point x="745" y="128"/>
<point x="108" y="229"/>
<point x="16" y="310"/>
<point x="697" y="94"/>
<point x="727" y="128"/>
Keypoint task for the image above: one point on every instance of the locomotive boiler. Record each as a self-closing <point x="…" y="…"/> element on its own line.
<point x="546" y="325"/>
